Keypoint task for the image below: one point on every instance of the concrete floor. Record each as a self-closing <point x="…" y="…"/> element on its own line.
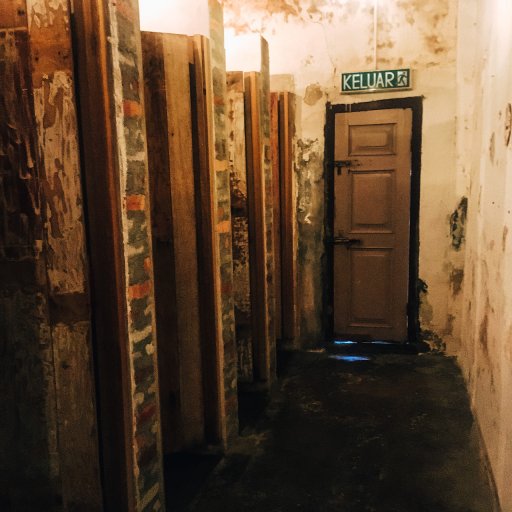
<point x="393" y="433"/>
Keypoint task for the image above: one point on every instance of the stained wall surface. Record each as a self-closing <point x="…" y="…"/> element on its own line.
<point x="485" y="170"/>
<point x="311" y="43"/>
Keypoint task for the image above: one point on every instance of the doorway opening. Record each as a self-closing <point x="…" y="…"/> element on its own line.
<point x="333" y="229"/>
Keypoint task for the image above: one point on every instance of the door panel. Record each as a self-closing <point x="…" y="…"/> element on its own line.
<point x="371" y="223"/>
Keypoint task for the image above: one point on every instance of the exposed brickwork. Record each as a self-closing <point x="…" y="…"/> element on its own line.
<point x="218" y="61"/>
<point x="127" y="85"/>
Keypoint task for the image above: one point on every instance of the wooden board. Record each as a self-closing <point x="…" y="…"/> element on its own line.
<point x="288" y="218"/>
<point x="240" y="223"/>
<point x="209" y="263"/>
<point x="166" y="60"/>
<point x="101" y="175"/>
<point x="276" y="207"/>
<point x="257" y="230"/>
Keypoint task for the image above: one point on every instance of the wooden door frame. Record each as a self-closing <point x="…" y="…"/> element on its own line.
<point x="416" y="105"/>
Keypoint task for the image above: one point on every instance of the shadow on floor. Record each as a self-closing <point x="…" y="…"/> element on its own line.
<point x="185" y="474"/>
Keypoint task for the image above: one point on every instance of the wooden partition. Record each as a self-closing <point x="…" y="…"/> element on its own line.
<point x="276" y="219"/>
<point x="168" y="61"/>
<point x="240" y="223"/>
<point x="288" y="232"/>
<point x="193" y="326"/>
<point x="48" y="430"/>
<point x="282" y="116"/>
<point x="260" y="222"/>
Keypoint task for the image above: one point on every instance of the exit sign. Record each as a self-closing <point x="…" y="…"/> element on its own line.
<point x="376" y="81"/>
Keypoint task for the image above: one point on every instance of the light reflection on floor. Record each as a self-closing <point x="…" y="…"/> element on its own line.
<point x="349" y="359"/>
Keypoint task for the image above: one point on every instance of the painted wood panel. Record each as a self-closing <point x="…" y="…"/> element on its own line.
<point x="109" y="63"/>
<point x="44" y="258"/>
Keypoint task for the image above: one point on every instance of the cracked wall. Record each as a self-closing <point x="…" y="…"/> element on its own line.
<point x="311" y="42"/>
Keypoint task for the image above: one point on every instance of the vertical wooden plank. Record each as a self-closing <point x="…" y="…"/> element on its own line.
<point x="28" y="448"/>
<point x="57" y="130"/>
<point x="209" y="263"/>
<point x="109" y="63"/>
<point x="268" y="206"/>
<point x="257" y="232"/>
<point x="107" y="268"/>
<point x="228" y="353"/>
<point x="288" y="219"/>
<point x="276" y="220"/>
<point x="163" y="242"/>
<point x="41" y="186"/>
<point x="240" y="222"/>
<point x="167" y="86"/>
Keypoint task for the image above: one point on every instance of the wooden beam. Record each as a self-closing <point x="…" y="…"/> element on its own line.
<point x="288" y="218"/>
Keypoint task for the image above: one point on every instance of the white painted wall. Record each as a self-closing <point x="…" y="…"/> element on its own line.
<point x="313" y="41"/>
<point x="189" y="17"/>
<point x="485" y="165"/>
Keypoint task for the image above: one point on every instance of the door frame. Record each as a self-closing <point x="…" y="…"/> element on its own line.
<point x="416" y="105"/>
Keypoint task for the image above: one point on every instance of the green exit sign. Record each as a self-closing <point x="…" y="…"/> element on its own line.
<point x="376" y="81"/>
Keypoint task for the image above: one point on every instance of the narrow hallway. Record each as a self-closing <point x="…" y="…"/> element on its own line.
<point x="389" y="433"/>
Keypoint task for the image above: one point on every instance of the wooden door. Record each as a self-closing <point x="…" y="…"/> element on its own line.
<point x="372" y="172"/>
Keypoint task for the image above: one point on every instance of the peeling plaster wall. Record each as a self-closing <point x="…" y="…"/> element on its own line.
<point x="311" y="42"/>
<point x="485" y="165"/>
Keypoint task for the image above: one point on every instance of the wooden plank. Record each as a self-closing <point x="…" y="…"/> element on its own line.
<point x="13" y="14"/>
<point x="276" y="221"/>
<point x="288" y="218"/>
<point x="162" y="228"/>
<point x="107" y="262"/>
<point x="240" y="223"/>
<point x="169" y="130"/>
<point x="64" y="244"/>
<point x="29" y="447"/>
<point x="228" y="349"/>
<point x="76" y="412"/>
<point x="257" y="233"/>
<point x="268" y="198"/>
<point x="209" y="263"/>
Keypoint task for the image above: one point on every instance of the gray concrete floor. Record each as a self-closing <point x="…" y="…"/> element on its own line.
<point x="393" y="433"/>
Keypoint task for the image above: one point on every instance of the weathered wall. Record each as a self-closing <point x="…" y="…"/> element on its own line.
<point x="485" y="168"/>
<point x="313" y="42"/>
